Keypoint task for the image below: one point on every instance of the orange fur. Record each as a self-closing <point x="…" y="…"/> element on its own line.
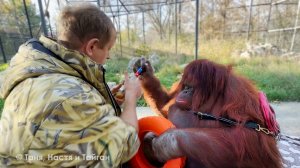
<point x="220" y="92"/>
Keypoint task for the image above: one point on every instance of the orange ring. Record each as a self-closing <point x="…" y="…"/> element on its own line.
<point x="157" y="125"/>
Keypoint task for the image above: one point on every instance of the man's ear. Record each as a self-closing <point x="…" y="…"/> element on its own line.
<point x="90" y="46"/>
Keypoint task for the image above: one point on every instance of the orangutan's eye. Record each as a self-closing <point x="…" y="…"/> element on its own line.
<point x="188" y="87"/>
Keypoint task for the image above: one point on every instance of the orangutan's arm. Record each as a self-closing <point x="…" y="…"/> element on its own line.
<point x="157" y="96"/>
<point x="211" y="147"/>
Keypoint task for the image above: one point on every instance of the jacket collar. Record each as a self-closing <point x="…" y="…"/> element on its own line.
<point x="87" y="68"/>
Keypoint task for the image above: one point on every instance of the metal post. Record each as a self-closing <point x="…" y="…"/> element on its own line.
<point x="128" y="31"/>
<point x="98" y="3"/>
<point x="50" y="27"/>
<point x="249" y="21"/>
<point x="104" y="6"/>
<point x="279" y="39"/>
<point x="160" y="22"/>
<point x="197" y="29"/>
<point x="113" y="15"/>
<point x="268" y="21"/>
<point x="170" y="24"/>
<point x="176" y="41"/>
<point x="224" y="23"/>
<point x="144" y="27"/>
<point x="179" y="19"/>
<point x="119" y="25"/>
<point x="27" y="16"/>
<point x="58" y="4"/>
<point x="2" y="51"/>
<point x="295" y="28"/>
<point x="43" y="18"/>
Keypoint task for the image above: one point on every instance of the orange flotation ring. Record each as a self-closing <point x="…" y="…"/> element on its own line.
<point x="157" y="125"/>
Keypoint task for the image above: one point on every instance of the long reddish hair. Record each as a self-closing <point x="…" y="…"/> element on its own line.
<point x="238" y="99"/>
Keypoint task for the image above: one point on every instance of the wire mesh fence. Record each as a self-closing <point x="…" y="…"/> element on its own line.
<point x="172" y="21"/>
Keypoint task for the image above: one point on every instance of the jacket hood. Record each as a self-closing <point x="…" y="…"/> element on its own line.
<point x="32" y="63"/>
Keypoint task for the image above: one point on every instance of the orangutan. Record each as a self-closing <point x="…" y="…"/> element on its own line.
<point x="219" y="117"/>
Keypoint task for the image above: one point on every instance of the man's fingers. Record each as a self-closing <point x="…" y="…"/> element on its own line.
<point x="120" y="101"/>
<point x="118" y="86"/>
<point x="126" y="76"/>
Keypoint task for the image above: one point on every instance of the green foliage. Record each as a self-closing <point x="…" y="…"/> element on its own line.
<point x="3" y="67"/>
<point x="141" y="102"/>
<point x="133" y="36"/>
<point x="169" y="74"/>
<point x="220" y="51"/>
<point x="1" y="106"/>
<point x="278" y="78"/>
<point x="142" y="50"/>
<point x="115" y="69"/>
<point x="16" y="18"/>
<point x="113" y="77"/>
<point x="13" y="17"/>
<point x="117" y="65"/>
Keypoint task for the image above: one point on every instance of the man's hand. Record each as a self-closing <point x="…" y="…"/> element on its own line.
<point x="119" y="93"/>
<point x="132" y="87"/>
<point x="133" y="91"/>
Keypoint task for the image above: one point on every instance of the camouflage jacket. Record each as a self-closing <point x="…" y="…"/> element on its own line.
<point x="58" y="112"/>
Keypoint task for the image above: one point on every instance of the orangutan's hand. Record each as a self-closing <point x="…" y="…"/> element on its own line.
<point x="147" y="69"/>
<point x="148" y="149"/>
